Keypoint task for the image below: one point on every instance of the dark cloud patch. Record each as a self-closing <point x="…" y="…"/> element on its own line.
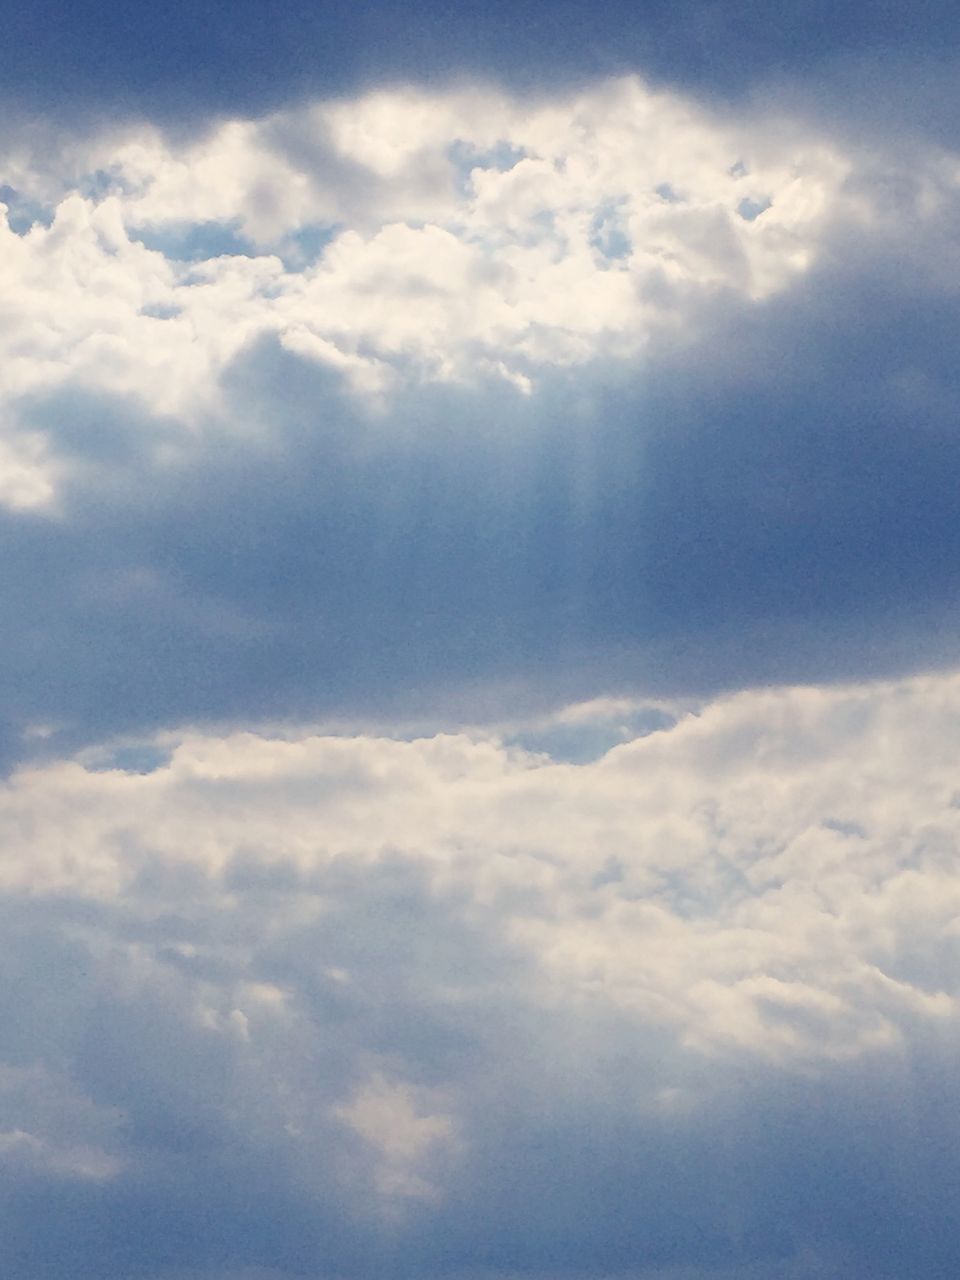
<point x="774" y="502"/>
<point x="175" y="60"/>
<point x="565" y="1159"/>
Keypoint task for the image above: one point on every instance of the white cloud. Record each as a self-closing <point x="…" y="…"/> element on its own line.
<point x="404" y="1127"/>
<point x="772" y="874"/>
<point x="467" y="232"/>
<point x="386" y="970"/>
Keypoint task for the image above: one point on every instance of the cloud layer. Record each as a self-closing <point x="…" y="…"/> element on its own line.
<point x="418" y="403"/>
<point x="479" y="699"/>
<point x="448" y="1006"/>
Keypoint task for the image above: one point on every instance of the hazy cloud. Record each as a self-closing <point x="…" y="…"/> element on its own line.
<point x="474" y="1007"/>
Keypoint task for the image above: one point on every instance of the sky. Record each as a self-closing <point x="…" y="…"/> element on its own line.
<point x="480" y="632"/>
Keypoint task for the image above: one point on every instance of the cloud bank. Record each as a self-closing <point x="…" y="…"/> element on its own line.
<point x="479" y="694"/>
<point x="432" y="400"/>
<point x="450" y="1006"/>
<point x="400" y="237"/>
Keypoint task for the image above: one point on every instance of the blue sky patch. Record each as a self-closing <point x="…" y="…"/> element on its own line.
<point x="196" y="242"/>
<point x="23" y="213"/>
<point x="750" y="210"/>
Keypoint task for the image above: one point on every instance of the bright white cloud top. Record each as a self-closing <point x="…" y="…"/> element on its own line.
<point x="402" y="236"/>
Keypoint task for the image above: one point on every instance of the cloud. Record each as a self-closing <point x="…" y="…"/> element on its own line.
<point x="445" y="1003"/>
<point x="65" y="1136"/>
<point x="480" y="686"/>
<point x="470" y="400"/>
<point x="184" y="61"/>
<point x="618" y="212"/>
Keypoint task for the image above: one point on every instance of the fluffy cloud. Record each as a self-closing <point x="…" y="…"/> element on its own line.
<point x="399" y="236"/>
<point x="767" y="811"/>
<point x="453" y="398"/>
<point x="299" y="988"/>
<point x="333" y="426"/>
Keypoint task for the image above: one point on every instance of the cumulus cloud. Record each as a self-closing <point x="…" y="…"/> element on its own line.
<point x="742" y="804"/>
<point x="408" y="992"/>
<point x="417" y="403"/>
<point x="453" y="824"/>
<point x="458" y="234"/>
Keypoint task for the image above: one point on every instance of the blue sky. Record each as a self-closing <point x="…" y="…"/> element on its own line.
<point x="479" y="698"/>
